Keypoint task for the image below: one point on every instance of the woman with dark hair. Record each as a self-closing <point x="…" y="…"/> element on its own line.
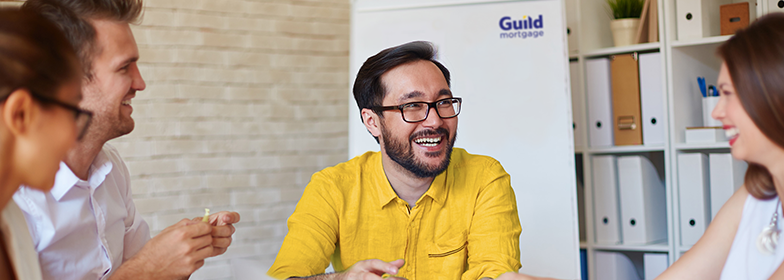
<point x="40" y="87"/>
<point x="743" y="237"/>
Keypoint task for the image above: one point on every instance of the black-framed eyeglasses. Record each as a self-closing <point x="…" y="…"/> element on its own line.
<point x="413" y="112"/>
<point x="81" y="117"/>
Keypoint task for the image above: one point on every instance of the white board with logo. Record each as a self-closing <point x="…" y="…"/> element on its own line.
<point x="508" y="61"/>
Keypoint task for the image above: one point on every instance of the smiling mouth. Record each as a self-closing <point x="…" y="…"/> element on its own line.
<point x="428" y="141"/>
<point x="731" y="133"/>
<point x="126" y="102"/>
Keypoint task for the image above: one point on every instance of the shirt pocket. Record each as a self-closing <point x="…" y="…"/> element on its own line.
<point x="448" y="255"/>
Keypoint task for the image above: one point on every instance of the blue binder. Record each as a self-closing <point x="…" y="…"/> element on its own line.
<point x="584" y="264"/>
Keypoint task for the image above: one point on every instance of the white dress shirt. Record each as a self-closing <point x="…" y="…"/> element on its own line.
<point x="85" y="229"/>
<point x="20" y="248"/>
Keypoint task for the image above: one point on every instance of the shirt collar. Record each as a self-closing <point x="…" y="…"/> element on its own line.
<point x="101" y="167"/>
<point x="65" y="179"/>
<point x="437" y="190"/>
<point x="386" y="194"/>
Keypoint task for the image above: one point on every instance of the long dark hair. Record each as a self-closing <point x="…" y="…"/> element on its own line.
<point x="34" y="55"/>
<point x="755" y="60"/>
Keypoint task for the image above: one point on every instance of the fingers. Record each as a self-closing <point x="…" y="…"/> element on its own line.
<point x="200" y="242"/>
<point x="221" y="239"/>
<point x="515" y="276"/>
<point x="224" y="218"/>
<point x="221" y="242"/>
<point x="203" y="252"/>
<point x="197" y="229"/>
<point x="376" y="266"/>
<point x="222" y="231"/>
<point x="197" y="265"/>
<point x="218" y="251"/>
<point x="398" y="263"/>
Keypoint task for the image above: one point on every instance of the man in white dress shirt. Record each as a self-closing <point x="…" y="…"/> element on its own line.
<point x="88" y="227"/>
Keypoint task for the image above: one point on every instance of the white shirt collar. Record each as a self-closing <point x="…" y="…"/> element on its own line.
<point x="65" y="179"/>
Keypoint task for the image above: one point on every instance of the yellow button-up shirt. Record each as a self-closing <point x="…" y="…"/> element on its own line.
<point x="464" y="227"/>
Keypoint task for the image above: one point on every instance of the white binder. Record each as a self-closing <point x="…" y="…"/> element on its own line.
<point x="651" y="99"/>
<point x="726" y="177"/>
<point x="775" y="6"/>
<point x="578" y="104"/>
<point x="571" y="26"/>
<point x="698" y="18"/>
<point x="693" y="196"/>
<point x="605" y="198"/>
<point x="599" y="98"/>
<point x="614" y="266"/>
<point x="654" y="264"/>
<point x="643" y="205"/>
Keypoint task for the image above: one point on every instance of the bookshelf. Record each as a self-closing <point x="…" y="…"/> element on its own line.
<point x="10" y="3"/>
<point x="682" y="60"/>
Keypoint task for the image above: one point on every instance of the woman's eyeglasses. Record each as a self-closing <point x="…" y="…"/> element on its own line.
<point x="82" y="117"/>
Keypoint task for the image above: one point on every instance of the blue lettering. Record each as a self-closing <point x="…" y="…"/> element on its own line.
<point x="518" y="24"/>
<point x="522" y="34"/>
<point x="504" y="23"/>
<point x="539" y="23"/>
<point x="526" y="23"/>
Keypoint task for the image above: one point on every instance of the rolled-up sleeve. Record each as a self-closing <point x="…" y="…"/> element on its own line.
<point x="313" y="232"/>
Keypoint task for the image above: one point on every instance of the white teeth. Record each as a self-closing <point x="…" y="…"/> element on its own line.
<point x="126" y="102"/>
<point x="731" y="133"/>
<point x="428" y="142"/>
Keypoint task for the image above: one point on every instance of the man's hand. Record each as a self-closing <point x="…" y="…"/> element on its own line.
<point x="518" y="276"/>
<point x="365" y="270"/>
<point x="372" y="270"/>
<point x="176" y="252"/>
<point x="222" y="229"/>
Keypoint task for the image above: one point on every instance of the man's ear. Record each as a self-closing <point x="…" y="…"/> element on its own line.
<point x="372" y="122"/>
<point x="18" y="112"/>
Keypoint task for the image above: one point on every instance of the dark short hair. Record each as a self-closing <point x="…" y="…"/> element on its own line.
<point x="34" y="55"/>
<point x="755" y="60"/>
<point x="73" y="18"/>
<point x="368" y="89"/>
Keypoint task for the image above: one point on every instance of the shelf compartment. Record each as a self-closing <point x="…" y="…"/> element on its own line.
<point x="626" y="149"/>
<point x="702" y="146"/>
<point x="701" y="41"/>
<point x="662" y="247"/>
<point x="688" y="63"/>
<point x="624" y="49"/>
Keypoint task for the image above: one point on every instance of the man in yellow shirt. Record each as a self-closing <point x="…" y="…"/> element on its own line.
<point x="418" y="209"/>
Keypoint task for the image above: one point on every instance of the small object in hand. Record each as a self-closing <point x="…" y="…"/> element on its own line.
<point x="206" y="215"/>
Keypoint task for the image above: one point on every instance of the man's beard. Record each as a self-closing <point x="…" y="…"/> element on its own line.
<point x="105" y="129"/>
<point x="403" y="153"/>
